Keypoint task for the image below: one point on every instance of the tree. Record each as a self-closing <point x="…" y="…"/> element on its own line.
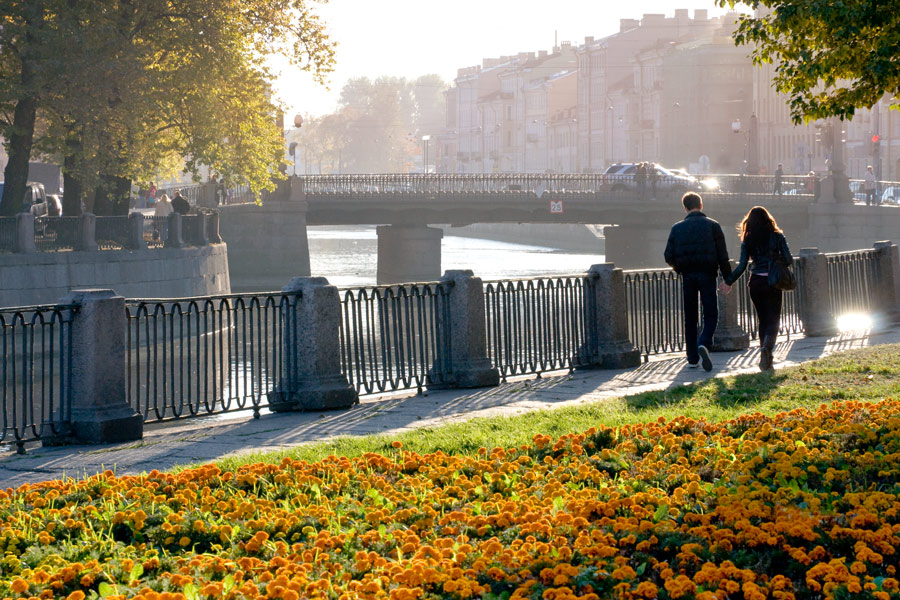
<point x="830" y="57"/>
<point x="124" y="85"/>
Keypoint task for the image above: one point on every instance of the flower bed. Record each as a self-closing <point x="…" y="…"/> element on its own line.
<point x="800" y="505"/>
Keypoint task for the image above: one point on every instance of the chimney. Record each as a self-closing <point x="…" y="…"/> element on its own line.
<point x="681" y="14"/>
<point x="542" y="54"/>
<point x="626" y="24"/>
<point x="653" y="19"/>
<point x="700" y="14"/>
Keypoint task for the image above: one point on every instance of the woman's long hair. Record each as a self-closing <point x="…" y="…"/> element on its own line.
<point x="756" y="228"/>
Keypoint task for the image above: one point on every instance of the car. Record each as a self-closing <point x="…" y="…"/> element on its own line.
<point x="37" y="202"/>
<point x="621" y="177"/>
<point x="891" y="195"/>
<point x="859" y="194"/>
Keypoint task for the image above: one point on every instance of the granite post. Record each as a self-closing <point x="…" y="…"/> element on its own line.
<point x="100" y="412"/>
<point x="25" y="233"/>
<point x="888" y="283"/>
<point x="607" y="345"/>
<point x="729" y="336"/>
<point x="136" y="232"/>
<point x="174" y="238"/>
<point x="87" y="233"/>
<point x="311" y="358"/>
<point x="469" y="365"/>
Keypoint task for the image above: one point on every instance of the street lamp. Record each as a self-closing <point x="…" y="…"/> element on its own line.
<point x="425" y="139"/>
<point x="298" y="123"/>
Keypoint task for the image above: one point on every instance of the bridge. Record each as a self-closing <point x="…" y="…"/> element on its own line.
<point x="636" y="222"/>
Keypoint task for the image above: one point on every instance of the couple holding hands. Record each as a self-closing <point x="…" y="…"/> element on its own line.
<point x="696" y="250"/>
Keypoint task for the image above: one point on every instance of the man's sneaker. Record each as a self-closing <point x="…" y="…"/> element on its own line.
<point x="693" y="365"/>
<point x="704" y="358"/>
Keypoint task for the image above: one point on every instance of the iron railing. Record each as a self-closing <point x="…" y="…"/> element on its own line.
<point x="56" y="233"/>
<point x="239" y="194"/>
<point x="192" y="229"/>
<point x="8" y="234"/>
<point x="655" y="308"/>
<point x="35" y="373"/>
<point x="203" y="356"/>
<point x="395" y="337"/>
<point x="156" y="231"/>
<point x="537" y="325"/>
<point x="112" y="233"/>
<point x="853" y="281"/>
<point x="790" y="307"/>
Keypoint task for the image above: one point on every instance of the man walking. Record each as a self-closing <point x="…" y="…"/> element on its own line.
<point x="869" y="186"/>
<point x="696" y="250"/>
<point x="779" y="178"/>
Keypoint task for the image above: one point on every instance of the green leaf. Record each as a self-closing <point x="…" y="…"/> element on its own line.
<point x="136" y="572"/>
<point x="190" y="592"/>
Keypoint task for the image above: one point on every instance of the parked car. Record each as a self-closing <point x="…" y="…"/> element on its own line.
<point x="37" y="202"/>
<point x="859" y="194"/>
<point x="621" y="177"/>
<point x="891" y="195"/>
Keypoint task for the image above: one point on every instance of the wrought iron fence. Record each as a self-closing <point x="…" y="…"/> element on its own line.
<point x="203" y="356"/>
<point x="8" y="234"/>
<point x="192" y="229"/>
<point x="56" y="233"/>
<point x="853" y="281"/>
<point x="395" y="337"/>
<point x="35" y="372"/>
<point x="156" y="231"/>
<point x="790" y="307"/>
<point x="655" y="308"/>
<point x="536" y="325"/>
<point x="111" y="233"/>
<point x="239" y="194"/>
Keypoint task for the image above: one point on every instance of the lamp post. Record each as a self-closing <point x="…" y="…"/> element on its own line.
<point x="298" y="123"/>
<point x="736" y="129"/>
<point x="425" y="139"/>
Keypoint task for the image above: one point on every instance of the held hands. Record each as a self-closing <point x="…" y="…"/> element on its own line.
<point x="724" y="288"/>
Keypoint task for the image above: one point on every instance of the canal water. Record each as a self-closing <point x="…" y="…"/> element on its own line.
<point x="347" y="256"/>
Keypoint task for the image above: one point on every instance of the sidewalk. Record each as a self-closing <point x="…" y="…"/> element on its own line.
<point x="207" y="439"/>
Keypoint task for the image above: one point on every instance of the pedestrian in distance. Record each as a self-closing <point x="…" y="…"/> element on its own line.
<point x="180" y="204"/>
<point x="653" y="176"/>
<point x="779" y="177"/>
<point x="869" y="186"/>
<point x="762" y="244"/>
<point x="696" y="250"/>
<point x="163" y="208"/>
<point x="640" y="178"/>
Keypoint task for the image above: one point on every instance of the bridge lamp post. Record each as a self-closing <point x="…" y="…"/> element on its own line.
<point x="736" y="129"/>
<point x="425" y="139"/>
<point x="298" y="123"/>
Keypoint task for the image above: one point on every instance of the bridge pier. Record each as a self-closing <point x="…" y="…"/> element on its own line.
<point x="408" y="253"/>
<point x="636" y="247"/>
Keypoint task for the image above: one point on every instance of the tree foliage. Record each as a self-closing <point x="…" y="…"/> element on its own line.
<point x="830" y="57"/>
<point x="117" y="88"/>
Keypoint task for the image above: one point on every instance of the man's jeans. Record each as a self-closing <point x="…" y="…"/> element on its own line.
<point x="703" y="284"/>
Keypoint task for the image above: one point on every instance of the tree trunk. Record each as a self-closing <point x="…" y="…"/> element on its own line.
<point x="19" y="150"/>
<point x="73" y="188"/>
<point x="112" y="196"/>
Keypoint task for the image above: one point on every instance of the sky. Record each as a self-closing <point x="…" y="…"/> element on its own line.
<point x="409" y="38"/>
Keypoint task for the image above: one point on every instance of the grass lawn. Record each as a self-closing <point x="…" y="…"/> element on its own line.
<point x="869" y="374"/>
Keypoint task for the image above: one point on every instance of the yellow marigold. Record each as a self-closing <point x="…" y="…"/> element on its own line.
<point x="19" y="585"/>
<point x="184" y="541"/>
<point x="76" y="595"/>
<point x="396" y="444"/>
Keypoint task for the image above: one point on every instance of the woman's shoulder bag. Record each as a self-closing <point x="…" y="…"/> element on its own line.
<point x="781" y="276"/>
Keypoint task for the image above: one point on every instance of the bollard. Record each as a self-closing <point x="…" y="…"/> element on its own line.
<point x="469" y="365"/>
<point x="311" y="359"/>
<point x="813" y="294"/>
<point x="100" y="412"/>
<point x="607" y="345"/>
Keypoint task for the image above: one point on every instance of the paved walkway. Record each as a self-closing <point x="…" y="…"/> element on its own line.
<point x="206" y="439"/>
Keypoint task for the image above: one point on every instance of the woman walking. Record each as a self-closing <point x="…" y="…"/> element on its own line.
<point x="762" y="242"/>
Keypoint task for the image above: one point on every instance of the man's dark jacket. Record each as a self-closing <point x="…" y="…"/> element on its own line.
<point x="697" y="245"/>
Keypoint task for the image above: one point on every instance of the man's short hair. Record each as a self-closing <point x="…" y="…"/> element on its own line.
<point x="691" y="201"/>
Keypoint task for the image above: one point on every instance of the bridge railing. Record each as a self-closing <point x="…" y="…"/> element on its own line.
<point x="536" y="325"/>
<point x="8" y="234"/>
<point x="35" y="372"/>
